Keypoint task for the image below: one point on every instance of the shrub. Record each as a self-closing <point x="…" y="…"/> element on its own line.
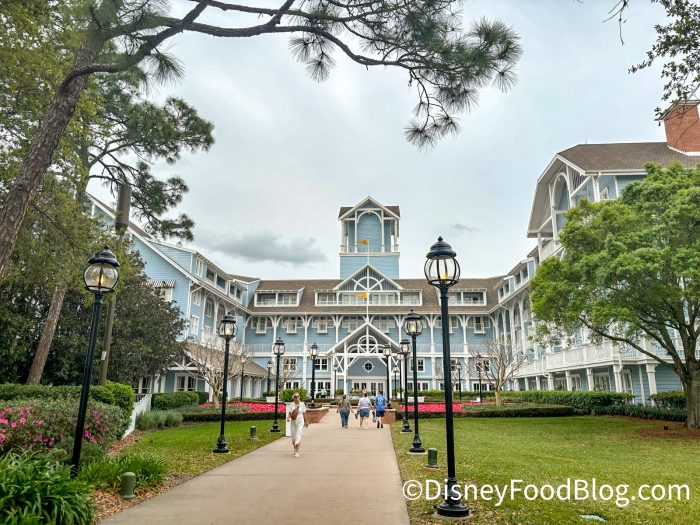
<point x="102" y="394"/>
<point x="642" y="412"/>
<point x="215" y="415"/>
<point x="670" y="399"/>
<point x="203" y="397"/>
<point x="289" y="392"/>
<point x="582" y="400"/>
<point x="158" y="419"/>
<point x="35" y="488"/>
<point x="174" y="400"/>
<point x="111" y="394"/>
<point x="45" y="424"/>
<point x="123" y="396"/>
<point x="106" y="473"/>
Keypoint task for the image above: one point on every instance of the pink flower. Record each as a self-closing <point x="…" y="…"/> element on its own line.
<point x="3" y="421"/>
<point x="22" y="420"/>
<point x="39" y="422"/>
<point x="3" y="437"/>
<point x="13" y="424"/>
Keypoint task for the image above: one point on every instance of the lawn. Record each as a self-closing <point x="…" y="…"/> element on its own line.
<point x="187" y="450"/>
<point x="550" y="450"/>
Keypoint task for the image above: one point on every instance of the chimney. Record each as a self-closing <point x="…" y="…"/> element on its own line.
<point x="683" y="127"/>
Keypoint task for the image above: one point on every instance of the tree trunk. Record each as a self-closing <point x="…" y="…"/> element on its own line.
<point x="498" y="397"/>
<point x="47" y="333"/>
<point x="692" y="397"/>
<point x="26" y="186"/>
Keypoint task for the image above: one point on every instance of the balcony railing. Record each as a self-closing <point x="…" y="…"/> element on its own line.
<point x="549" y="249"/>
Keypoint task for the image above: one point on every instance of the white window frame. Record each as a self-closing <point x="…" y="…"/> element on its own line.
<point x="189" y="380"/>
<point x="197" y="297"/>
<point x="208" y="308"/>
<point x="289" y="364"/>
<point x="321" y="364"/>
<point x="420" y="364"/>
<point x="321" y="325"/>
<point x="365" y="364"/>
<point x="258" y="322"/>
<point x="145" y="385"/>
<point x="293" y="323"/>
<point x="599" y="376"/>
<point x="575" y="382"/>
<point x="194" y="325"/>
<point x="199" y="267"/>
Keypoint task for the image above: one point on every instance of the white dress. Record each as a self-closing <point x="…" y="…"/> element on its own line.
<point x="297" y="425"/>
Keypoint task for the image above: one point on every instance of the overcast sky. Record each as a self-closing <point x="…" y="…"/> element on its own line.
<point x="289" y="151"/>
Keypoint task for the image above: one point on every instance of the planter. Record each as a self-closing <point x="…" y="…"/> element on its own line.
<point x="270" y="399"/>
<point x="389" y="415"/>
<point x="314" y="415"/>
<point x="421" y="399"/>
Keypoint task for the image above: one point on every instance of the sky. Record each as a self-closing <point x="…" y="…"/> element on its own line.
<point x="289" y="151"/>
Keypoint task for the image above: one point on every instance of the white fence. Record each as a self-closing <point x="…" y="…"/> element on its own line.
<point x="142" y="403"/>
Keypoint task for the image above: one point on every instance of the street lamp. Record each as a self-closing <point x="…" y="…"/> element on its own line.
<point x="244" y="360"/>
<point x="459" y="375"/>
<point x="397" y="386"/>
<point x="387" y="354"/>
<point x="404" y="349"/>
<point x="336" y="367"/>
<point x="278" y="350"/>
<point x="478" y="369"/>
<point x="313" y="352"/>
<point x="101" y="277"/>
<point x="413" y="326"/>
<point x="227" y="329"/>
<point x="269" y="369"/>
<point x="442" y="271"/>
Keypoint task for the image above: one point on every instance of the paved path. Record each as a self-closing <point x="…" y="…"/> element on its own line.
<point x="342" y="477"/>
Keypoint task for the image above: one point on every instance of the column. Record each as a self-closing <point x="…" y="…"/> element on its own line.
<point x="538" y="383"/>
<point x="550" y="381"/>
<point x="345" y="369"/>
<point x="569" y="386"/>
<point x="651" y="377"/>
<point x="527" y="383"/>
<point x="590" y="380"/>
<point x="617" y="369"/>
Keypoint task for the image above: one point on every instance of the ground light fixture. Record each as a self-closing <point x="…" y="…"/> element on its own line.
<point x="442" y="271"/>
<point x="278" y="351"/>
<point x="227" y="330"/>
<point x="404" y="349"/>
<point x="313" y="352"/>
<point x="101" y="277"/>
<point x="413" y="327"/>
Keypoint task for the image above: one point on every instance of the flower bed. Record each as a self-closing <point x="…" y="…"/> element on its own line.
<point x="457" y="406"/>
<point x="437" y="410"/>
<point x="249" y="406"/>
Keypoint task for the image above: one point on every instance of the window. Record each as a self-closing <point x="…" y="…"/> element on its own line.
<point x="199" y="267"/>
<point x="351" y="323"/>
<point x="238" y="293"/>
<point x="265" y="299"/>
<point x="576" y="382"/>
<point x="601" y="382"/>
<point x="197" y="297"/>
<point x="322" y="364"/>
<point x="480" y="324"/>
<point x="194" y="325"/>
<point x="474" y="298"/>
<point x="260" y="324"/>
<point x="604" y="194"/>
<point x="220" y="282"/>
<point x="383" y="323"/>
<point x="368" y="366"/>
<point x="291" y="324"/>
<point x="410" y="298"/>
<point x="210" y="275"/>
<point x="559" y="383"/>
<point x="482" y="366"/>
<point x="291" y="384"/>
<point x="166" y="293"/>
<point x="144" y="386"/>
<point x="321" y="325"/>
<point x="287" y="298"/>
<point x="453" y="365"/>
<point x="420" y="363"/>
<point x="208" y="308"/>
<point x="325" y="298"/>
<point x="185" y="383"/>
<point x="289" y="364"/>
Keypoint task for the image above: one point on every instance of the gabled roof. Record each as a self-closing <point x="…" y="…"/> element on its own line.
<point x="360" y="271"/>
<point x="393" y="210"/>
<point x="625" y="156"/>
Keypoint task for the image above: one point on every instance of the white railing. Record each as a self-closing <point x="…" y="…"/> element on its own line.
<point x="549" y="249"/>
<point x="142" y="404"/>
<point x="266" y="348"/>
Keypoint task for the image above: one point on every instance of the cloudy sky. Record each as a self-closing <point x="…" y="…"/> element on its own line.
<point x="289" y="151"/>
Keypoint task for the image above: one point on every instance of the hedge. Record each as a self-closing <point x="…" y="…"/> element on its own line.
<point x="289" y="392"/>
<point x="582" y="400"/>
<point x="117" y="394"/>
<point x="174" y="400"/>
<point x="507" y="411"/>
<point x="670" y="399"/>
<point x="642" y="412"/>
<point x="232" y="416"/>
<point x="203" y="397"/>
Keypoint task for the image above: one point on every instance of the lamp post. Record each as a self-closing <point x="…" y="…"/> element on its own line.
<point x="335" y="378"/>
<point x="413" y="326"/>
<point x="227" y="329"/>
<point x="278" y="350"/>
<point x="269" y="369"/>
<point x="396" y="383"/>
<point x="442" y="271"/>
<point x="459" y="375"/>
<point x="387" y="354"/>
<point x="244" y="360"/>
<point x="404" y="349"/>
<point x="313" y="352"/>
<point x="101" y="277"/>
<point x="478" y="369"/>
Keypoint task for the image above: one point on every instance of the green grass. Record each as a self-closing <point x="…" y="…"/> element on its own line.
<point x="187" y="450"/>
<point x="549" y="450"/>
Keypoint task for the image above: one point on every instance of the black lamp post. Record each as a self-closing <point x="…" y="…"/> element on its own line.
<point x="269" y="369"/>
<point x="244" y="360"/>
<point x="442" y="271"/>
<point x="478" y="369"/>
<point x="397" y="386"/>
<point x="404" y="349"/>
<point x="278" y="350"/>
<point x="335" y="378"/>
<point x="101" y="277"/>
<point x="387" y="354"/>
<point x="459" y="375"/>
<point x="413" y="326"/>
<point x="313" y="352"/>
<point x="227" y="330"/>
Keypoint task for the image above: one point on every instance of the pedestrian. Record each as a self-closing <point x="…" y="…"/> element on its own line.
<point x="344" y="409"/>
<point x="380" y="404"/>
<point x="363" y="407"/>
<point x="297" y="420"/>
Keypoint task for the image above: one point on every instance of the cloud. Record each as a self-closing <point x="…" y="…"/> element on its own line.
<point x="262" y="246"/>
<point x="463" y="227"/>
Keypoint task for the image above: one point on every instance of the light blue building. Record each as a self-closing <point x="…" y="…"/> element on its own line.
<point x="351" y="318"/>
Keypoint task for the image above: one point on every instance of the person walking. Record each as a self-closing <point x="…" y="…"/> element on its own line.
<point x="364" y="405"/>
<point x="344" y="409"/>
<point x="297" y="420"/>
<point x="380" y="405"/>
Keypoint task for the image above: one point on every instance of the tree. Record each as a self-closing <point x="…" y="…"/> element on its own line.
<point x="499" y="363"/>
<point x="632" y="271"/>
<point x="424" y="37"/>
<point x="208" y="357"/>
<point x="677" y="43"/>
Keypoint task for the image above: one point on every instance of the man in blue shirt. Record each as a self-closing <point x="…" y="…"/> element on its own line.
<point x="380" y="404"/>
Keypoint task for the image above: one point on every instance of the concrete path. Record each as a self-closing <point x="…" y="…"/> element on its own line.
<point x="344" y="476"/>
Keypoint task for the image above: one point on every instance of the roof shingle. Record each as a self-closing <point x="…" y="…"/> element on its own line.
<point x="625" y="156"/>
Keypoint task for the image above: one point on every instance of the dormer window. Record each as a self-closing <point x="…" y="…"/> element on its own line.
<point x="275" y="298"/>
<point x="287" y="298"/>
<point x="265" y="299"/>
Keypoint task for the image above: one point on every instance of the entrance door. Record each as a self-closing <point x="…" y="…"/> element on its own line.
<point x="376" y="386"/>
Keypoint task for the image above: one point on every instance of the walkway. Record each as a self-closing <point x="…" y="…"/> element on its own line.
<point x="342" y="477"/>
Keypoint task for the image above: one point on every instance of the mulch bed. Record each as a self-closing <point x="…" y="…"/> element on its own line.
<point x="675" y="431"/>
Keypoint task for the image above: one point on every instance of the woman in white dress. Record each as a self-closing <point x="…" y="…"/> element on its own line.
<point x="297" y="420"/>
